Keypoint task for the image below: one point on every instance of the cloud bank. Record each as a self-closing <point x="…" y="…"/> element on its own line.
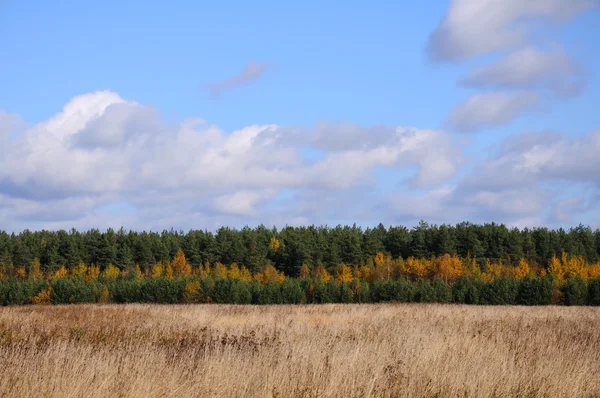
<point x="103" y="153"/>
<point x="107" y="161"/>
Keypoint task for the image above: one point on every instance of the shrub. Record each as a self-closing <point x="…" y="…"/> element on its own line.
<point x="244" y="296"/>
<point x="363" y="293"/>
<point x="127" y="291"/>
<point x="593" y="296"/>
<point x="291" y="292"/>
<point x="442" y="291"/>
<point x="270" y="293"/>
<point x="574" y="291"/>
<point x="466" y="291"/>
<point x="346" y="295"/>
<point x="380" y="292"/>
<point x="318" y="293"/>
<point x="224" y="291"/>
<point x="534" y="291"/>
<point x="12" y="292"/>
<point x="161" y="290"/>
<point x="501" y="291"/>
<point x="71" y="291"/>
<point x="424" y="292"/>
<point x="332" y="291"/>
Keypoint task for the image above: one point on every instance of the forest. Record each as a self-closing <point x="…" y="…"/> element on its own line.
<point x="464" y="263"/>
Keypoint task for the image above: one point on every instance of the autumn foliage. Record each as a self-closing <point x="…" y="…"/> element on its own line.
<point x="565" y="279"/>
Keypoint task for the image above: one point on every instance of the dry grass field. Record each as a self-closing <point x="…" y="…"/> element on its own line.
<point x="299" y="351"/>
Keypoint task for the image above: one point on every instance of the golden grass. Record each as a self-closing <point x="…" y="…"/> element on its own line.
<point x="299" y="351"/>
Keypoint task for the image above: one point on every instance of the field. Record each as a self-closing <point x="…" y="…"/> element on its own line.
<point x="379" y="350"/>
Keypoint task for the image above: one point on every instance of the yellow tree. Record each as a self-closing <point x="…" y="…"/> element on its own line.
<point x="180" y="265"/>
<point x="42" y="297"/>
<point x="576" y="266"/>
<point x="321" y="272"/>
<point x="60" y="273"/>
<point x="35" y="271"/>
<point x="555" y="268"/>
<point x="168" y="273"/>
<point x="220" y="270"/>
<point x="234" y="271"/>
<point x="304" y="271"/>
<point x="365" y="272"/>
<point x="92" y="273"/>
<point x="21" y="273"/>
<point x="111" y="272"/>
<point x="594" y="271"/>
<point x="274" y="244"/>
<point x="449" y="268"/>
<point x="414" y="269"/>
<point x="192" y="292"/>
<point x="157" y="271"/>
<point x="269" y="273"/>
<point x="522" y="270"/>
<point x="245" y="275"/>
<point x="79" y="271"/>
<point x="343" y="274"/>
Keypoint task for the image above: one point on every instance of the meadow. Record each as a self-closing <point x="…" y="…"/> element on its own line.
<point x="331" y="350"/>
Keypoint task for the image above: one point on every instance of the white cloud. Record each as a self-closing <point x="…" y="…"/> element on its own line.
<point x="475" y="27"/>
<point x="530" y="68"/>
<point x="519" y="32"/>
<point x="491" y="109"/>
<point x="102" y="149"/>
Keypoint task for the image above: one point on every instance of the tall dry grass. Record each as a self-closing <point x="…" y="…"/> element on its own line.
<point x="299" y="351"/>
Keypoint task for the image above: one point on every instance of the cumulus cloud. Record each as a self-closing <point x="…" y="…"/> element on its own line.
<point x="530" y="68"/>
<point x="527" y="67"/>
<point x="546" y="156"/>
<point x="252" y="72"/>
<point x="491" y="109"/>
<point x="526" y="180"/>
<point x="102" y="149"/>
<point x="472" y="28"/>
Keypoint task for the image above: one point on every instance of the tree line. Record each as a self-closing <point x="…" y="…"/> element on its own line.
<point x="568" y="280"/>
<point x="289" y="248"/>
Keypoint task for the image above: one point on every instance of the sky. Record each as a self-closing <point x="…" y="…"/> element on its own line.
<point x="195" y="115"/>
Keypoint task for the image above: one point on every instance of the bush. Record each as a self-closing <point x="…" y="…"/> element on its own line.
<point x="534" y="291"/>
<point x="466" y="291"/>
<point x="270" y="293"/>
<point x="424" y="292"/>
<point x="332" y="291"/>
<point x="593" y="295"/>
<point x="291" y="292"/>
<point x="502" y="291"/>
<point x="224" y="291"/>
<point x="574" y="291"/>
<point x="12" y="292"/>
<point x="71" y="291"/>
<point x="318" y="293"/>
<point x="161" y="290"/>
<point x="346" y="295"/>
<point x="244" y="296"/>
<point x="442" y="291"/>
<point x="126" y="291"/>
<point x="380" y="292"/>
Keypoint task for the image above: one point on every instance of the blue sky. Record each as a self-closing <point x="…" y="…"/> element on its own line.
<point x="344" y="114"/>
